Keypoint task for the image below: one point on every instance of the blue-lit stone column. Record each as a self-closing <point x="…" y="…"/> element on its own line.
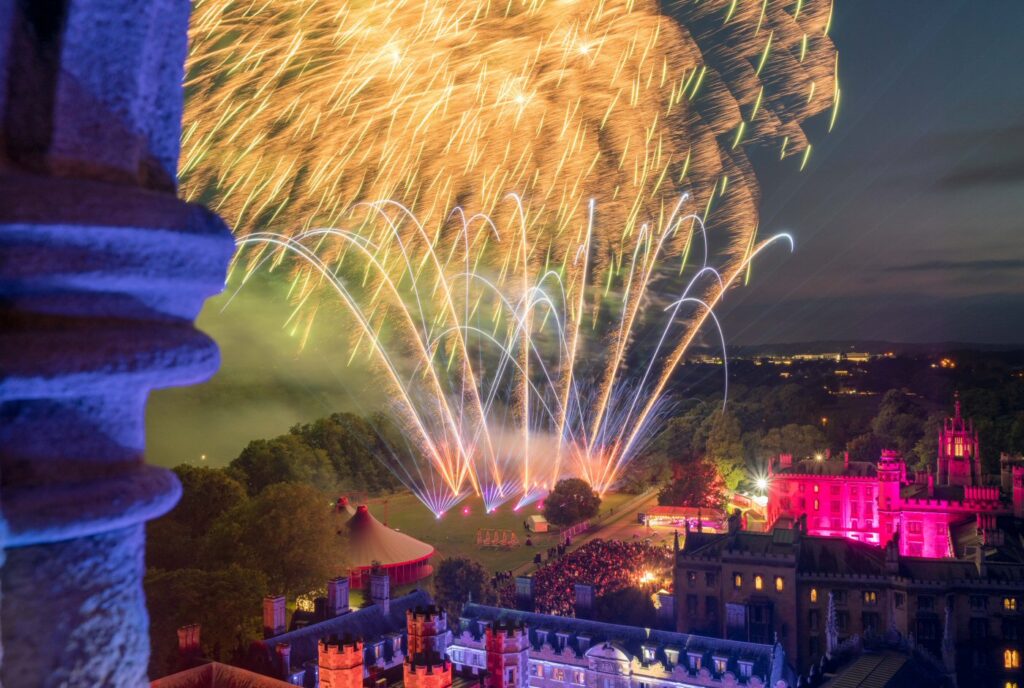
<point x="102" y="271"/>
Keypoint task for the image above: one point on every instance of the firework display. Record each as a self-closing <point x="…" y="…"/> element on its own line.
<point x="508" y="336"/>
<point x="299" y="109"/>
<point x="493" y="387"/>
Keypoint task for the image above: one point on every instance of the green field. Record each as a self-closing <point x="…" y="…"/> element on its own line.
<point x="455" y="533"/>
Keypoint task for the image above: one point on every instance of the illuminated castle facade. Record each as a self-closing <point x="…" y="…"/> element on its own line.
<point x="934" y="512"/>
<point x="958" y="460"/>
<point x="408" y="641"/>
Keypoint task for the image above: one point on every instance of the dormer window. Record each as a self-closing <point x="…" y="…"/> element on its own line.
<point x="672" y="656"/>
<point x="694" y="661"/>
<point x="720" y="663"/>
<point x="746" y="669"/>
<point x="649" y="651"/>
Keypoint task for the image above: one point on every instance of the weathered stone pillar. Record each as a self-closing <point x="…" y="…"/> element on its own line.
<point x="102" y="270"/>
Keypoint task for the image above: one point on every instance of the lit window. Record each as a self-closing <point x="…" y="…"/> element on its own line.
<point x="870" y="597"/>
<point x="814" y="595"/>
<point x="559" y="674"/>
<point x="1011" y="659"/>
<point x="1010" y="604"/>
<point x="737" y="580"/>
<point x="719" y="665"/>
<point x="816" y="505"/>
<point x="780" y="585"/>
<point x="816" y="488"/>
<point x="695" y="662"/>
<point x="758" y="583"/>
<point x="578" y="677"/>
<point x="539" y="670"/>
<point x="1010" y="684"/>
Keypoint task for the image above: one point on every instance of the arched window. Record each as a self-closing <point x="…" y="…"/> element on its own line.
<point x="814" y="595"/>
<point x="758" y="583"/>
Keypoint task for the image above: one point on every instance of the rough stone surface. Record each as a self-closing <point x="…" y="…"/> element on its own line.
<point x="88" y="594"/>
<point x="101" y="274"/>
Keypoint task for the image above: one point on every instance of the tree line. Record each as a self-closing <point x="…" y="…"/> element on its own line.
<point x="262" y="525"/>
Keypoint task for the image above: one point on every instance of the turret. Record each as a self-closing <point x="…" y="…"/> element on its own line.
<point x="427" y="670"/>
<point x="507" y="646"/>
<point x="426" y="630"/>
<point x="340" y="663"/>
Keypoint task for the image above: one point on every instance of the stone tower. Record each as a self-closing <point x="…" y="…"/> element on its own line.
<point x="340" y="663"/>
<point x="426" y="630"/>
<point x="958" y="460"/>
<point x="104" y="269"/>
<point x="507" y="647"/>
<point x="891" y="475"/>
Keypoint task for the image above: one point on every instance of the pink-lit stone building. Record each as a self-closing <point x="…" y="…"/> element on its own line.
<point x="871" y="502"/>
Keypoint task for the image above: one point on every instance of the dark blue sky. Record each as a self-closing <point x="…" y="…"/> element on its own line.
<point x="909" y="220"/>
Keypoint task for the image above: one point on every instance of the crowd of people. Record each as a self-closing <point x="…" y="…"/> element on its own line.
<point x="608" y="565"/>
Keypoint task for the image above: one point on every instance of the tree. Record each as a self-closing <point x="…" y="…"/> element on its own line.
<point x="281" y="460"/>
<point x="455" y="579"/>
<point x="287" y="532"/>
<point x="696" y="483"/>
<point x="175" y="540"/>
<point x="898" y="424"/>
<point x="725" y="447"/>
<point x="571" y="501"/>
<point x="225" y="603"/>
<point x="353" y="446"/>
<point x="801" y="441"/>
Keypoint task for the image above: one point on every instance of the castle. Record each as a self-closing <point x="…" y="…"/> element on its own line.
<point x="937" y="514"/>
<point x="409" y="641"/>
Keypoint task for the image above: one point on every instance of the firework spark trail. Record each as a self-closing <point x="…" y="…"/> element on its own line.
<point x="299" y="109"/>
<point x="450" y="412"/>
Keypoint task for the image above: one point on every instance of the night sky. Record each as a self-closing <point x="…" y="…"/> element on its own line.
<point x="909" y="218"/>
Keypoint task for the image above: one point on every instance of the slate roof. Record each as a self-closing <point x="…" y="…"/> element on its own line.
<point x="884" y="670"/>
<point x="368" y="623"/>
<point x="704" y="544"/>
<point x="856" y="469"/>
<point x="768" y="660"/>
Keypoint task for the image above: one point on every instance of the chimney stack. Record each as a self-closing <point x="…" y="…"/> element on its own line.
<point x="274" y="613"/>
<point x="524" y="593"/>
<point x="188" y="643"/>
<point x="337" y="596"/>
<point x="284" y="659"/>
<point x="584" y="606"/>
<point x="380" y="589"/>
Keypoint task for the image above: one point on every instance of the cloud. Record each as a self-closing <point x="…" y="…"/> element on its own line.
<point x="993" y="173"/>
<point x="980" y="265"/>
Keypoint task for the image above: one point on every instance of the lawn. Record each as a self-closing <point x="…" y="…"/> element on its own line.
<point x="455" y="533"/>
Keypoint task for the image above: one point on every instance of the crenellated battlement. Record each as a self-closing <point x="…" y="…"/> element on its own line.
<point x="427" y="670"/>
